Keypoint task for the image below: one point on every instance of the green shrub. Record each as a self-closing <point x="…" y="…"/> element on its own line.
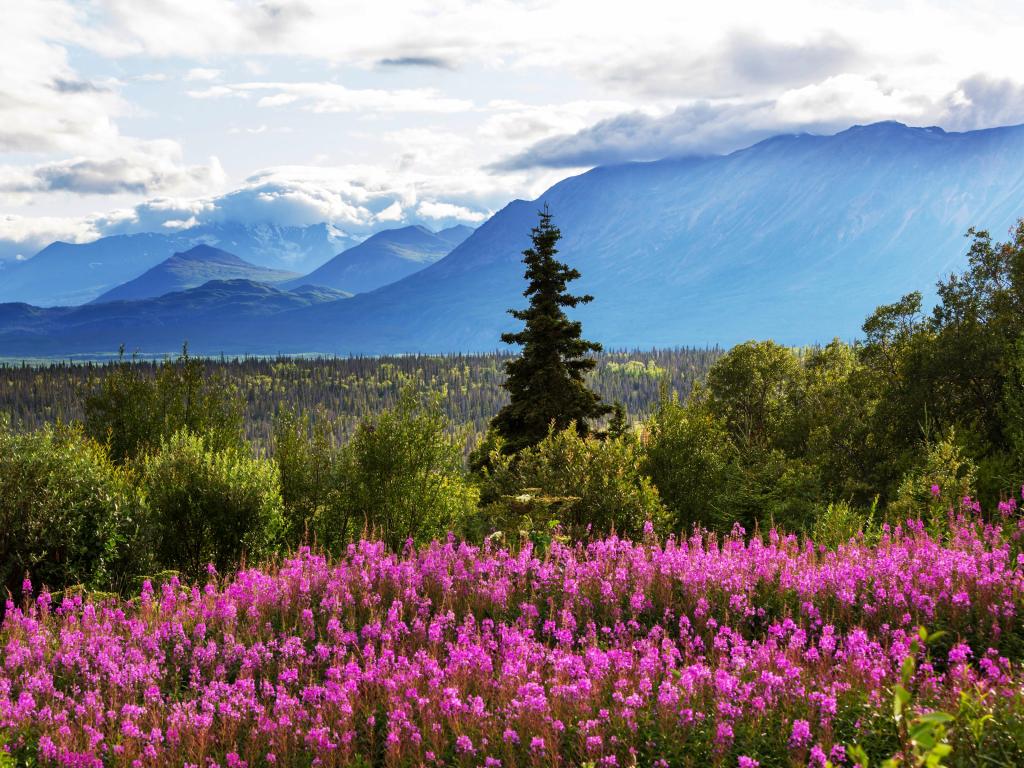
<point x="751" y="388"/>
<point x="402" y="476"/>
<point x="765" y="488"/>
<point x="686" y="455"/>
<point x="210" y="506"/>
<point x="839" y="522"/>
<point x="590" y="486"/>
<point x="68" y="515"/>
<point x="941" y="465"/>
<point x="314" y="471"/>
<point x="131" y="412"/>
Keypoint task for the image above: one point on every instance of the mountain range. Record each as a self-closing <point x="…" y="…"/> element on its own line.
<point x="796" y="238"/>
<point x="161" y="324"/>
<point x="75" y="273"/>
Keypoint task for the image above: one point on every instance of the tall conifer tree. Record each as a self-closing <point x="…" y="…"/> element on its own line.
<point x="546" y="381"/>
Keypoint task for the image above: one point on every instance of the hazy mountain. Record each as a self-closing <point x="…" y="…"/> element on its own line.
<point x="385" y="257"/>
<point x="190" y="269"/>
<point x="455" y="235"/>
<point x="797" y="238"/>
<point x="151" y="325"/>
<point x="69" y="273"/>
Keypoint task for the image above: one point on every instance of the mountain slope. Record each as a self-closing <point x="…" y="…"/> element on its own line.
<point x="797" y="238"/>
<point x="190" y="269"/>
<point x="455" y="235"/>
<point x="76" y="273"/>
<point x="384" y="258"/>
<point x="151" y="325"/>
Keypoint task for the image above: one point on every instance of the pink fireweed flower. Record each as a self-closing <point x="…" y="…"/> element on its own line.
<point x="801" y="734"/>
<point x="959" y="653"/>
<point x="936" y="490"/>
<point x="461" y="645"/>
<point x="723" y="735"/>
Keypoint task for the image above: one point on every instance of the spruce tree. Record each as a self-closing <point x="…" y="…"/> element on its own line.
<point x="546" y="381"/>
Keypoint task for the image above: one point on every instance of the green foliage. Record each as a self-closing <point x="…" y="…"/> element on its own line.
<point x="832" y="404"/>
<point x="314" y="479"/>
<point x="750" y="388"/>
<point x="618" y="424"/>
<point x="955" y="368"/>
<point x="839" y="522"/>
<point x="637" y="369"/>
<point x="346" y="389"/>
<point x="1012" y="417"/>
<point x="131" y="412"/>
<point x="546" y="382"/>
<point x="403" y="474"/>
<point x="587" y="485"/>
<point x="766" y="488"/>
<point x="686" y="455"/>
<point x="210" y="505"/>
<point x="67" y="515"/>
<point x="941" y="465"/>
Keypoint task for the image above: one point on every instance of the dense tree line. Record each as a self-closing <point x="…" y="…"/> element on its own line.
<point x="348" y="389"/>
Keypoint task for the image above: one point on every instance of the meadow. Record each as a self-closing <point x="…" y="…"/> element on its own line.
<point x="736" y="650"/>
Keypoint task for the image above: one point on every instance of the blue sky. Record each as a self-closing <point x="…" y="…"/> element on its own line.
<point x="148" y="115"/>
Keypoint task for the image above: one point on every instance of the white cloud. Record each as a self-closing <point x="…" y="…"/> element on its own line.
<point x="202" y="73"/>
<point x="358" y="199"/>
<point x="434" y="107"/>
<point x="23" y="236"/>
<point x="719" y="126"/>
<point x="45" y="105"/>
<point x="434" y="210"/>
<point x="213" y="92"/>
<point x="393" y="212"/>
<point x="330" y="97"/>
<point x="144" y="168"/>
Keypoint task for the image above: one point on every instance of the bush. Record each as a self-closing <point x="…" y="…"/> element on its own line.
<point x="938" y="483"/>
<point x="210" y="506"/>
<point x="839" y="522"/>
<point x="751" y="388"/>
<point x="402" y="476"/>
<point x="314" y="473"/>
<point x="68" y="515"/>
<point x="590" y="486"/>
<point x="765" y="488"/>
<point x="686" y="455"/>
<point x="131" y="412"/>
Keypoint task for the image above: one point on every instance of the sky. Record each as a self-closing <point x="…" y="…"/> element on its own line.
<point x="122" y="116"/>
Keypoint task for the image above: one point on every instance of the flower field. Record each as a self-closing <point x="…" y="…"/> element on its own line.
<point x="738" y="652"/>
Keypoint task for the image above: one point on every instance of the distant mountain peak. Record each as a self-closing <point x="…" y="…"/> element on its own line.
<point x="384" y="257"/>
<point x="208" y="253"/>
<point x="190" y="269"/>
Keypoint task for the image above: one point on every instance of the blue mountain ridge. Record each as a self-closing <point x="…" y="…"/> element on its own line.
<point x="153" y="325"/>
<point x="385" y="257"/>
<point x="796" y="238"/>
<point x="191" y="269"/>
<point x="64" y="274"/>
